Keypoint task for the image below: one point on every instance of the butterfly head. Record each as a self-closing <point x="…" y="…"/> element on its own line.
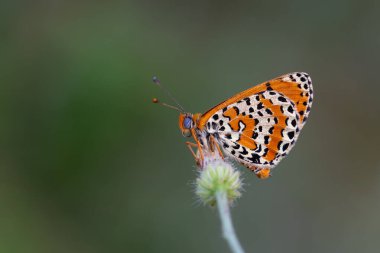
<point x="187" y="122"/>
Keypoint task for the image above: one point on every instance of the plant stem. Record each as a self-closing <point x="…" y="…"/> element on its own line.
<point x="227" y="227"/>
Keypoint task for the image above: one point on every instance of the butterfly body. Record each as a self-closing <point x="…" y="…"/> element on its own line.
<point x="257" y="127"/>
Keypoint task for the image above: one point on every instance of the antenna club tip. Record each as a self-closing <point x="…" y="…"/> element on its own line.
<point x="155" y="100"/>
<point x="156" y="80"/>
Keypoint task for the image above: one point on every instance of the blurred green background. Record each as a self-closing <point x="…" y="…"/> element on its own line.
<point x="89" y="164"/>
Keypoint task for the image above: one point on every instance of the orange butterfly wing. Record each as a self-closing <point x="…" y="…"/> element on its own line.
<point x="259" y="126"/>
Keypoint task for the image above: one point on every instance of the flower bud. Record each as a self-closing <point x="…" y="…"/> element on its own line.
<point x="218" y="176"/>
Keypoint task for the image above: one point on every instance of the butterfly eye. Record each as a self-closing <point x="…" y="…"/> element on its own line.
<point x="187" y="122"/>
<point x="186" y="133"/>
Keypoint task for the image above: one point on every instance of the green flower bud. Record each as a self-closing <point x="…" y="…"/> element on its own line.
<point x="218" y="176"/>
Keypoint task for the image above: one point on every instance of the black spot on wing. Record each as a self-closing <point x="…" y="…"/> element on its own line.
<point x="281" y="99"/>
<point x="265" y="151"/>
<point x="255" y="158"/>
<point x="268" y="111"/>
<point x="244" y="152"/>
<point x="258" y="149"/>
<point x="236" y="110"/>
<point x="279" y="145"/>
<point x="268" y="86"/>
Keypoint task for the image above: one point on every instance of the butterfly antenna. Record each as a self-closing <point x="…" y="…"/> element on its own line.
<point x="156" y="101"/>
<point x="158" y="83"/>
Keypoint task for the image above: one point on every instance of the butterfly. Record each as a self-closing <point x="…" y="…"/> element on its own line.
<point x="256" y="127"/>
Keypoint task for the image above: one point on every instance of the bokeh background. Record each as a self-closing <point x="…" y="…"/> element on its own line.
<point x="89" y="164"/>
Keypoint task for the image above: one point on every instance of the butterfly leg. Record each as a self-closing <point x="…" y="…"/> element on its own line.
<point x="199" y="160"/>
<point x="215" y="144"/>
<point x="191" y="145"/>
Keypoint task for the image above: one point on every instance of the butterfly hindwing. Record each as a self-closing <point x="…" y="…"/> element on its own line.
<point x="259" y="126"/>
<point x="297" y="87"/>
<point x="257" y="130"/>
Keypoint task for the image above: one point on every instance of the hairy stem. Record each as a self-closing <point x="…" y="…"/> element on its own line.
<point x="227" y="227"/>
